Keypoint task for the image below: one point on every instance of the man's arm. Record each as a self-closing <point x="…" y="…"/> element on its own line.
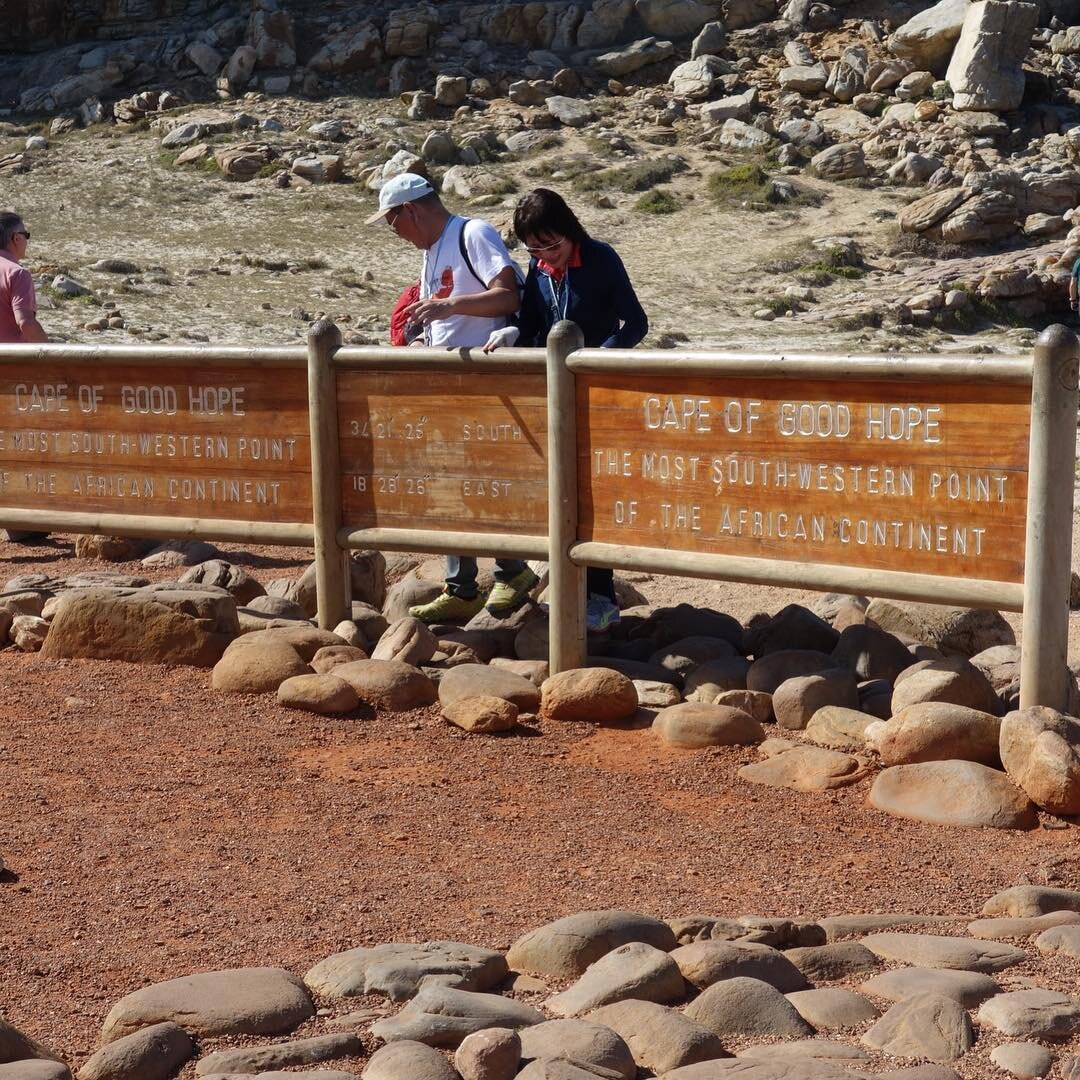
<point x="499" y="298"/>
<point x="30" y="328"/>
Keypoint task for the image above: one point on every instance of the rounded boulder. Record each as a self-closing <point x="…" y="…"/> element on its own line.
<point x="693" y="724"/>
<point x="483" y="714"/>
<point x="593" y="695"/>
<point x="324" y="694"/>
<point x="257" y="669"/>
<point x="1040" y="749"/>
<point x="388" y="684"/>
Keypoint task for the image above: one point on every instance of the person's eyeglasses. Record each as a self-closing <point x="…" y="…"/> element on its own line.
<point x="23" y="233"/>
<point x="397" y="212"/>
<point x="542" y="248"/>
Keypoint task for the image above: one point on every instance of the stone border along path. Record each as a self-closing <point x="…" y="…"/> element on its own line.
<point x="826" y="695"/>
<point x="692" y="998"/>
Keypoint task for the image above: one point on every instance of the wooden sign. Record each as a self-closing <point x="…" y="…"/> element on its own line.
<point x="448" y="451"/>
<point x="926" y="478"/>
<point x="225" y="443"/>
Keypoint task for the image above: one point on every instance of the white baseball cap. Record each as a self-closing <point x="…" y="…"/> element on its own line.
<point x="400" y="189"/>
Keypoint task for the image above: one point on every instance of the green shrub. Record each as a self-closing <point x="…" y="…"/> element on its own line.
<point x="741" y="183"/>
<point x="657" y="201"/>
<point x="635" y="176"/>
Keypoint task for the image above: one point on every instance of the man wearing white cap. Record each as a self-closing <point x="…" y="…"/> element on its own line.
<point x="468" y="289"/>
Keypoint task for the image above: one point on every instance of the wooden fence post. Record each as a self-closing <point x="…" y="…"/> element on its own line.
<point x="566" y="581"/>
<point x="333" y="583"/>
<point x="1048" y="548"/>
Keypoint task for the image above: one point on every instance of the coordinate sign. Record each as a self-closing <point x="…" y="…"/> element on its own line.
<point x="441" y="451"/>
<point x="214" y="442"/>
<point x="926" y="478"/>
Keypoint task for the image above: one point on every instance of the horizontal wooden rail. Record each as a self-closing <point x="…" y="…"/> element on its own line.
<point x="976" y="369"/>
<point x="500" y="545"/>
<point x="196" y="356"/>
<point x="505" y="361"/>
<point x="158" y="527"/>
<point x="821" y="577"/>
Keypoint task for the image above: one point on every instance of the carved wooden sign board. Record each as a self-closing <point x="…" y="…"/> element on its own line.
<point x="189" y="442"/>
<point x="443" y="451"/>
<point x="926" y="478"/>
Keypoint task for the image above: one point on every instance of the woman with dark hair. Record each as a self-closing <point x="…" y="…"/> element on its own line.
<point x="572" y="276"/>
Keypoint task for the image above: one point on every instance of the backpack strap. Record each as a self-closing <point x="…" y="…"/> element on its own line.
<point x="465" y="254"/>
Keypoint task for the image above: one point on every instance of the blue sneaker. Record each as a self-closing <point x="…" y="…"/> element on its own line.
<point x="600" y="614"/>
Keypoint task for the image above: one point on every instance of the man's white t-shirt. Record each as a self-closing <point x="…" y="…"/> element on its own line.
<point x="445" y="273"/>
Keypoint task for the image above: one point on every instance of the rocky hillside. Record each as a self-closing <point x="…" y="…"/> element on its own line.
<point x="963" y="116"/>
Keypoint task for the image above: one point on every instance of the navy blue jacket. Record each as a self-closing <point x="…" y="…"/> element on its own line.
<point x="597" y="296"/>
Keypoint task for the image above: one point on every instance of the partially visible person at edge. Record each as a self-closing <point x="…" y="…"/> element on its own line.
<point x="572" y="276"/>
<point x="468" y="290"/>
<point x="18" y="309"/>
<point x="18" y="301"/>
<point x="1074" y="286"/>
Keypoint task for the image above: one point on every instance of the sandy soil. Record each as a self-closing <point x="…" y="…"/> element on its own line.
<point x="700" y="272"/>
<point x="153" y="828"/>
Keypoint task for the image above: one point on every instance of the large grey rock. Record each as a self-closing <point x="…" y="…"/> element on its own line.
<point x="387" y="684"/>
<point x="828" y="963"/>
<point x="441" y="1016"/>
<point x="35" y="1070"/>
<point x="479" y="680"/>
<point x="659" y="1038"/>
<point x="804" y="78"/>
<point x="15" y="1046"/>
<point x="583" y="1042"/>
<point x="565" y="948"/>
<point x="743" y="1006"/>
<point x="491" y="1054"/>
<point x="1026" y="901"/>
<point x="768" y="672"/>
<point x="408" y="641"/>
<point x="224" y="575"/>
<point x="1064" y="940"/>
<point x="837" y="728"/>
<point x="238" y="1001"/>
<point x="871" y="652"/>
<point x="796" y="699"/>
<point x="927" y="39"/>
<point x="997" y="929"/>
<point x="632" y="57"/>
<point x="257" y="668"/>
<point x="570" y="111"/>
<point x="253" y="1059"/>
<point x="986" y="69"/>
<point x="693" y="725"/>
<point x="143" y="628"/>
<point x="955" y="631"/>
<point x="953" y="793"/>
<point x="396" y="970"/>
<point x="703" y="963"/>
<point x="924" y="1026"/>
<point x="635" y="970"/>
<point x="707" y="682"/>
<point x="408" y="1061"/>
<point x="793" y="627"/>
<point x="154" y="1053"/>
<point x="1033" y="1014"/>
<point x="805" y="768"/>
<point x="844" y="161"/>
<point x="1026" y="1060"/>
<point x="1040" y="749"/>
<point x="969" y="988"/>
<point x="957" y="953"/>
<point x="937" y="731"/>
<point x="833" y="1008"/>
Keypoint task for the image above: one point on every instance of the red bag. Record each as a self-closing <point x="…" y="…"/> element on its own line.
<point x="399" y="323"/>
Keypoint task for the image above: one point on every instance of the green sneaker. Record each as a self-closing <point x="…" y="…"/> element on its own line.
<point x="446" y="607"/>
<point x="508" y="595"/>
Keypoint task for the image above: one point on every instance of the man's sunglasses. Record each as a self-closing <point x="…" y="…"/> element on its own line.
<point x="23" y="232"/>
<point x="544" y="247"/>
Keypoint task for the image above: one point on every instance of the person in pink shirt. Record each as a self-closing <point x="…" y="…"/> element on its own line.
<point x="18" y="301"/>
